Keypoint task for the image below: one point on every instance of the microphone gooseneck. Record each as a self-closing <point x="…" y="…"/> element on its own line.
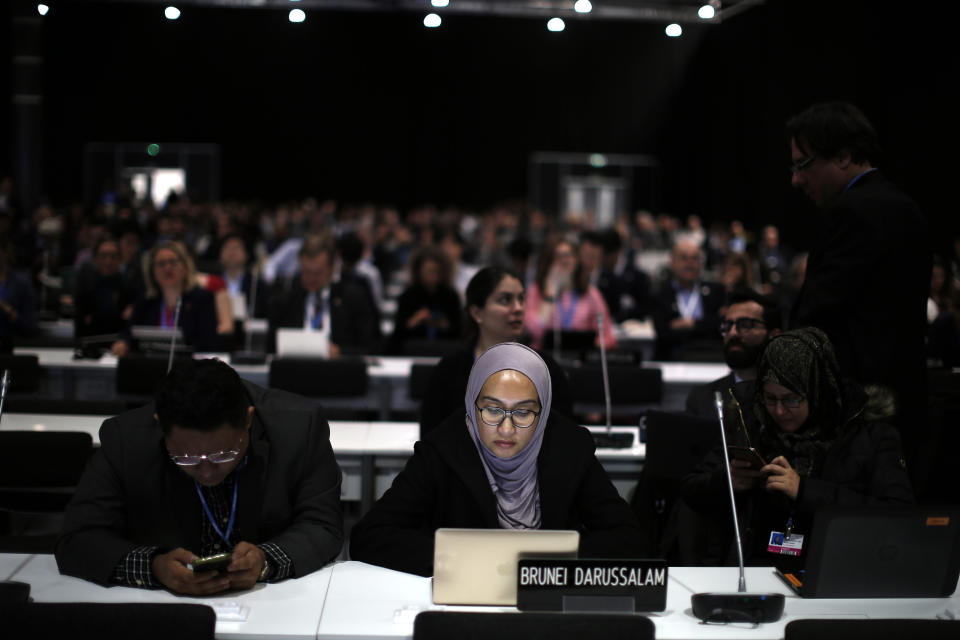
<point x="603" y="367"/>
<point x="173" y="336"/>
<point x="4" y="383"/>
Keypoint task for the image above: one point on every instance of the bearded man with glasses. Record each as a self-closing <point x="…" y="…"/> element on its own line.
<point x="748" y="322"/>
<point x="214" y="465"/>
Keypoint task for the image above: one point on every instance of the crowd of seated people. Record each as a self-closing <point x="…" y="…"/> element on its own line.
<point x="657" y="269"/>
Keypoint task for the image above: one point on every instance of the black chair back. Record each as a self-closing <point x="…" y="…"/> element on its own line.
<point x="443" y="625"/>
<point x="140" y="375"/>
<point x="320" y="378"/>
<point x="11" y="591"/>
<point x="419" y="382"/>
<point x="144" y="621"/>
<point x="24" y="372"/>
<point x="875" y="629"/>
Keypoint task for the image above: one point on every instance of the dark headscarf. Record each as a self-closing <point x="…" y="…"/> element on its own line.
<point x="513" y="480"/>
<point x="804" y="362"/>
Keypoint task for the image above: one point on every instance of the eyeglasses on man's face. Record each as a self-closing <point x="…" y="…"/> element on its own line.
<point x="493" y="416"/>
<point x="742" y="324"/>
<point x="219" y="457"/>
<point x="789" y="402"/>
<point x="801" y="165"/>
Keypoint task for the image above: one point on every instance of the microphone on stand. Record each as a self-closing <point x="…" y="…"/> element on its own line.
<point x="248" y="355"/>
<point x="173" y="336"/>
<point x="607" y="439"/>
<point x="740" y="606"/>
<point x="4" y="383"/>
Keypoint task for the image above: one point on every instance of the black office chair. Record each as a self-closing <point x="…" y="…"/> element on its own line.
<point x="341" y="383"/>
<point x="875" y="629"/>
<point x="424" y="348"/>
<point x="140" y="375"/>
<point x="39" y="471"/>
<point x="419" y="381"/>
<point x="11" y="591"/>
<point x="443" y="625"/>
<point x="24" y="372"/>
<point x="632" y="390"/>
<point x="676" y="443"/>
<point x="145" y="621"/>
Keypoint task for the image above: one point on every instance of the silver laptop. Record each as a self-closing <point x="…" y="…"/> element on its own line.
<point x="299" y="342"/>
<point x="479" y="566"/>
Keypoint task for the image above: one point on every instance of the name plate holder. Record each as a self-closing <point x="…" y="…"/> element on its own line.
<point x="583" y="585"/>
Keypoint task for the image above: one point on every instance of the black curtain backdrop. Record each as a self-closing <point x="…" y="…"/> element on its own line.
<point x="374" y="107"/>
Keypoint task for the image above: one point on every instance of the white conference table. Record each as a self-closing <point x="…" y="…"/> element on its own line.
<point x="389" y="376"/>
<point x="355" y="601"/>
<point x="370" y="454"/>
<point x="288" y="610"/>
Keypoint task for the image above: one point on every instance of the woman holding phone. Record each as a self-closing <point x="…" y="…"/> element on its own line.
<point x="823" y="442"/>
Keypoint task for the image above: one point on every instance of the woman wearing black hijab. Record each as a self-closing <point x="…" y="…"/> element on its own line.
<point x="824" y="443"/>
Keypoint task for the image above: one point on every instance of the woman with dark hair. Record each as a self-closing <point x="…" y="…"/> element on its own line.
<point x="506" y="461"/>
<point x="171" y="278"/>
<point x="429" y="309"/>
<point x="495" y="303"/>
<point x="823" y="442"/>
<point x="563" y="298"/>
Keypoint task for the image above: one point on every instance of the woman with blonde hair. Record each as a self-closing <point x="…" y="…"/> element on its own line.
<point x="170" y="279"/>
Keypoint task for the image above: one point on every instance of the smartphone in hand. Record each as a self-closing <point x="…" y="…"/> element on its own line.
<point x="218" y="563"/>
<point x="747" y="454"/>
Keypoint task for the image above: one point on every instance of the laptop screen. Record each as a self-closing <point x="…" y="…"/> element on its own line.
<point x="479" y="566"/>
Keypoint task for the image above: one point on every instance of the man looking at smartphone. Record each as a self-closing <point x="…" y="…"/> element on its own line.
<point x="214" y="465"/>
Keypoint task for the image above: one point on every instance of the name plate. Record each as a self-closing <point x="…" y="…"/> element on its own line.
<point x="591" y="585"/>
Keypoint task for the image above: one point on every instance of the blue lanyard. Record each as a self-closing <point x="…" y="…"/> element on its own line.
<point x="233" y="511"/>
<point x="319" y="311"/>
<point x="566" y="315"/>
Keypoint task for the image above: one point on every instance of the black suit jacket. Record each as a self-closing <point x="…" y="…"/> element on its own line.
<point x="198" y="317"/>
<point x="132" y="494"/>
<point x="354" y="327"/>
<point x="867" y="284"/>
<point x="448" y="386"/>
<point x="670" y="342"/>
<point x="444" y="485"/>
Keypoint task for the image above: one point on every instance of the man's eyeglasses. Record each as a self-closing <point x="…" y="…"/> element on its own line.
<point x="798" y="167"/>
<point x="220" y="457"/>
<point x="493" y="416"/>
<point x="742" y="324"/>
<point x="788" y="402"/>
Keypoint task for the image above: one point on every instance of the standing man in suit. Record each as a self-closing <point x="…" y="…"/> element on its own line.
<point x="314" y="302"/>
<point x="750" y="320"/>
<point x="213" y="465"/>
<point x="687" y="309"/>
<point x="868" y="275"/>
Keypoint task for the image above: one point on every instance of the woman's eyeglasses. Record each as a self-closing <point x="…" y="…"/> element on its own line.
<point x="493" y="416"/>
<point x="787" y="402"/>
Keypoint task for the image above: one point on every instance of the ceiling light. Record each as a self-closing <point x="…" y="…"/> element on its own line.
<point x="674" y="30"/>
<point x="556" y="25"/>
<point x="706" y="12"/>
<point x="440" y="3"/>
<point x="42" y="9"/>
<point x="582" y="6"/>
<point x="296" y="15"/>
<point x="432" y="20"/>
<point x="171" y="13"/>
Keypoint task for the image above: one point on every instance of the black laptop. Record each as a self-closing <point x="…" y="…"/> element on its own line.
<point x="882" y="553"/>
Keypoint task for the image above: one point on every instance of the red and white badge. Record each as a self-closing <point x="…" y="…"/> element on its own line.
<point x="780" y="544"/>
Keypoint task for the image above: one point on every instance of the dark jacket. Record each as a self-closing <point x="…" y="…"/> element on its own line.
<point x="864" y="467"/>
<point x="444" y="485"/>
<point x="100" y="302"/>
<point x="671" y="342"/>
<point x="866" y="287"/>
<point x="353" y="320"/>
<point x="448" y="386"/>
<point x="198" y="317"/>
<point x="445" y="309"/>
<point x="132" y="494"/>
